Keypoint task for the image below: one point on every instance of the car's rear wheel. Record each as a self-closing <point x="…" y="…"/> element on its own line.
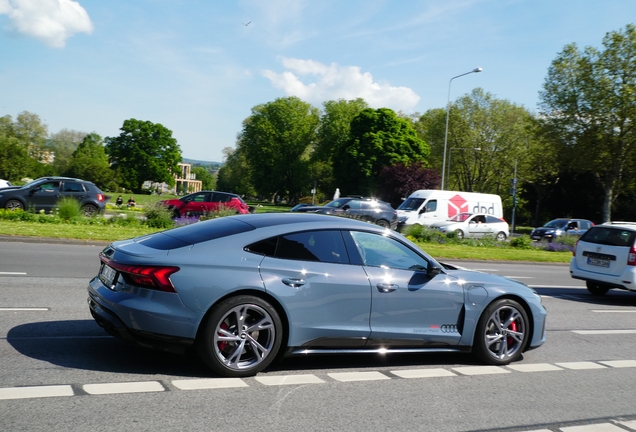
<point x="502" y="332"/>
<point x="382" y="223"/>
<point x="14" y="205"/>
<point x="89" y="210"/>
<point x="501" y="236"/>
<point x="459" y="233"/>
<point x="596" y="289"/>
<point x="241" y="337"/>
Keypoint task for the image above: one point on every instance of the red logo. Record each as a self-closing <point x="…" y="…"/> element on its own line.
<point x="456" y="205"/>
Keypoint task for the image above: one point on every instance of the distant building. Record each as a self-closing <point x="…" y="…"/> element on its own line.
<point x="185" y="182"/>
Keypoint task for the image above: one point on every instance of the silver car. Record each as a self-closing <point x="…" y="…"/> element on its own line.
<point x="245" y="289"/>
<point x="474" y="225"/>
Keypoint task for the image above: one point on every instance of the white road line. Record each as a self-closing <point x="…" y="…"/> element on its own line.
<point x="619" y="363"/>
<point x="289" y="380"/>
<point x="12" y="273"/>
<point x="209" y="383"/>
<point x="36" y="392"/>
<point x="23" y="309"/>
<point x="599" y="427"/>
<point x="129" y="387"/>
<point x="603" y="332"/>
<point x="630" y="424"/>
<point x="581" y="365"/>
<point x="358" y="376"/>
<point x="537" y="367"/>
<point x="423" y="373"/>
<point x="480" y="370"/>
<point x="612" y="311"/>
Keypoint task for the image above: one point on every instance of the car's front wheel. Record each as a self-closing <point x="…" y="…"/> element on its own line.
<point x="502" y="332"/>
<point x="14" y="205"/>
<point x="241" y="337"/>
<point x="459" y="233"/>
<point x="596" y="289"/>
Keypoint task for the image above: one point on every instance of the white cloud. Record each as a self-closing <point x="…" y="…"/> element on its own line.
<point x="331" y="82"/>
<point x="50" y="21"/>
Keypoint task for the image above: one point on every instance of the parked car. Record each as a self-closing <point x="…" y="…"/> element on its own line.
<point x="474" y="225"/>
<point x="368" y="209"/>
<point x="605" y="257"/>
<point x="4" y="184"/>
<point x="45" y="192"/>
<point x="199" y="203"/>
<point x="559" y="227"/>
<point x="243" y="289"/>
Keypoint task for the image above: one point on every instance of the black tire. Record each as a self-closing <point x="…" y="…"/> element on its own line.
<point x="382" y="223"/>
<point x="460" y="234"/>
<point x="241" y="336"/>
<point x="596" y="289"/>
<point x="501" y="236"/>
<point x="14" y="204"/>
<point x="502" y="333"/>
<point x="89" y="210"/>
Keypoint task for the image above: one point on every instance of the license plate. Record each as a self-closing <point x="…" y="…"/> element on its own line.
<point x="107" y="275"/>
<point x="598" y="262"/>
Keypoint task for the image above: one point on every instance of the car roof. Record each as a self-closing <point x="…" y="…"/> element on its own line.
<point x="620" y="224"/>
<point x="263" y="220"/>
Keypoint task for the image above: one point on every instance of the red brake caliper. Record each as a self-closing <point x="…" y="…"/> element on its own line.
<point x="513" y="327"/>
<point x="223" y="344"/>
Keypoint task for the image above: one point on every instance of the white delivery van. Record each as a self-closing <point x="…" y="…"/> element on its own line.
<point x="426" y="206"/>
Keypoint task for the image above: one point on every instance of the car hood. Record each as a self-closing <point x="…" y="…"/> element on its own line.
<point x="473" y="277"/>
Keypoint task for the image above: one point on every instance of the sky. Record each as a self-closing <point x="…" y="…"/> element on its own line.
<point x="198" y="67"/>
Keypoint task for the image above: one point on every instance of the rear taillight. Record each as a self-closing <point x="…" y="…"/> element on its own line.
<point x="574" y="250"/>
<point x="100" y="197"/>
<point x="631" y="257"/>
<point x="151" y="277"/>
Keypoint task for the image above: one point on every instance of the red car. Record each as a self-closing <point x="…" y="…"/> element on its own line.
<point x="199" y="203"/>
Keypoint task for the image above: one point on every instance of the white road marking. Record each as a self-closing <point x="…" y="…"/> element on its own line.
<point x="613" y="311"/>
<point x="36" y="392"/>
<point x="581" y="365"/>
<point x="12" y="273"/>
<point x="127" y="387"/>
<point x="630" y="424"/>
<point x="358" y="376"/>
<point x="599" y="427"/>
<point x="289" y="380"/>
<point x="209" y="383"/>
<point x="620" y="363"/>
<point x="603" y="332"/>
<point x="423" y="373"/>
<point x="481" y="370"/>
<point x="23" y="309"/>
<point x="537" y="367"/>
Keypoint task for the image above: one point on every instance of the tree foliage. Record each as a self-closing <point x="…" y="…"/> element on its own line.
<point x="400" y="180"/>
<point x="90" y="162"/>
<point x="234" y="175"/>
<point x="63" y="144"/>
<point x="379" y="138"/>
<point x="144" y="151"/>
<point x="275" y="140"/>
<point x="208" y="181"/>
<point x="589" y="110"/>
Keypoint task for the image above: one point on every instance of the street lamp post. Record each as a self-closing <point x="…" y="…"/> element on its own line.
<point x="476" y="70"/>
<point x="450" y="153"/>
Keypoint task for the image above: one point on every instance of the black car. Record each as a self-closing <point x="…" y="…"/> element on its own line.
<point x="45" y="192"/>
<point x="366" y="209"/>
<point x="559" y="227"/>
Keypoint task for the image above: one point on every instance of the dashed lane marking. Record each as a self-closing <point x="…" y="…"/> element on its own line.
<point x="603" y="332"/>
<point x="129" y="387"/>
<point x="620" y="364"/>
<point x="358" y="376"/>
<point x="13" y="273"/>
<point x="581" y="365"/>
<point x="480" y="370"/>
<point x="289" y="380"/>
<point x="423" y="373"/>
<point x="612" y="311"/>
<point x="537" y="367"/>
<point x="209" y="383"/>
<point x="36" y="392"/>
<point x="601" y="427"/>
<point x="23" y="309"/>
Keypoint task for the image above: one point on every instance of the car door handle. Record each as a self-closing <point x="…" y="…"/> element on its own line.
<point x="294" y="283"/>
<point x="385" y="288"/>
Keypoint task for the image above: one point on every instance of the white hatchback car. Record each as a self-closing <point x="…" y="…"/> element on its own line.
<point x="605" y="257"/>
<point x="474" y="225"/>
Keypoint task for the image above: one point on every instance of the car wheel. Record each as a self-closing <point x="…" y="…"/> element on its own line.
<point x="459" y="233"/>
<point x="89" y="210"/>
<point x="382" y="223"/>
<point x="501" y="236"/>
<point x="596" y="288"/>
<point x="14" y="205"/>
<point x="502" y="332"/>
<point x="175" y="213"/>
<point x="241" y="337"/>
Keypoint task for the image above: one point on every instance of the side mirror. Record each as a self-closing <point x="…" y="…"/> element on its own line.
<point x="346" y="207"/>
<point x="423" y="210"/>
<point x="433" y="270"/>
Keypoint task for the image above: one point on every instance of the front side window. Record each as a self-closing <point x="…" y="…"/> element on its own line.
<point x="380" y="251"/>
<point x="431" y="206"/>
<point x="198" y="197"/>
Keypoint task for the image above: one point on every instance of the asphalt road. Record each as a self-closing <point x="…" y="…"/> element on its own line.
<point x="59" y="371"/>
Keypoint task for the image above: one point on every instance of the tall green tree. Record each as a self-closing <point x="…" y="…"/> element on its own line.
<point x="379" y="138"/>
<point x="144" y="151"/>
<point x="588" y="105"/>
<point x="63" y="144"/>
<point x="275" y="140"/>
<point x="90" y="162"/>
<point x="208" y="182"/>
<point x="14" y="157"/>
<point x="234" y="175"/>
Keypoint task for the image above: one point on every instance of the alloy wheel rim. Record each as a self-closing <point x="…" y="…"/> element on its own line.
<point x="505" y="332"/>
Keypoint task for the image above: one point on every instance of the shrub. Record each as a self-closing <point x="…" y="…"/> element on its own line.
<point x="158" y="216"/>
<point x="521" y="242"/>
<point x="219" y="212"/>
<point x="68" y="209"/>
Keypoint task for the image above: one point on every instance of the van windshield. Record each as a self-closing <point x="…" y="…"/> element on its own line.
<point x="411" y="204"/>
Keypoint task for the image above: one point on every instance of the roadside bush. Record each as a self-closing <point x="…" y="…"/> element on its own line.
<point x="521" y="242"/>
<point x="426" y="234"/>
<point x="68" y="209"/>
<point x="158" y="216"/>
<point x="221" y="211"/>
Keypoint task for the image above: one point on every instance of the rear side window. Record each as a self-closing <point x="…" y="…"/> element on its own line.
<point x="321" y="246"/>
<point x="613" y="236"/>
<point x="73" y="187"/>
<point x="492" y="219"/>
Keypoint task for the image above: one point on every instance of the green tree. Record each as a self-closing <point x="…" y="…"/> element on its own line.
<point x="276" y="140"/>
<point x="90" y="162"/>
<point x="234" y="175"/>
<point x="63" y="144"/>
<point x="379" y="138"/>
<point x="14" y="158"/>
<point x="588" y="105"/>
<point x="207" y="179"/>
<point x="144" y="151"/>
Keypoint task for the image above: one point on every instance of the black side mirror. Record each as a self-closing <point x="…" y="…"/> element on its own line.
<point x="423" y="210"/>
<point x="433" y="270"/>
<point x="345" y="207"/>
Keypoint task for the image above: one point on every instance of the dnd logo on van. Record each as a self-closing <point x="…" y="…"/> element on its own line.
<point x="456" y="205"/>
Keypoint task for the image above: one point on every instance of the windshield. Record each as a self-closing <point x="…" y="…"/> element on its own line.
<point x="557" y="223"/>
<point x="411" y="204"/>
<point x="337" y="203"/>
<point x="461" y="217"/>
